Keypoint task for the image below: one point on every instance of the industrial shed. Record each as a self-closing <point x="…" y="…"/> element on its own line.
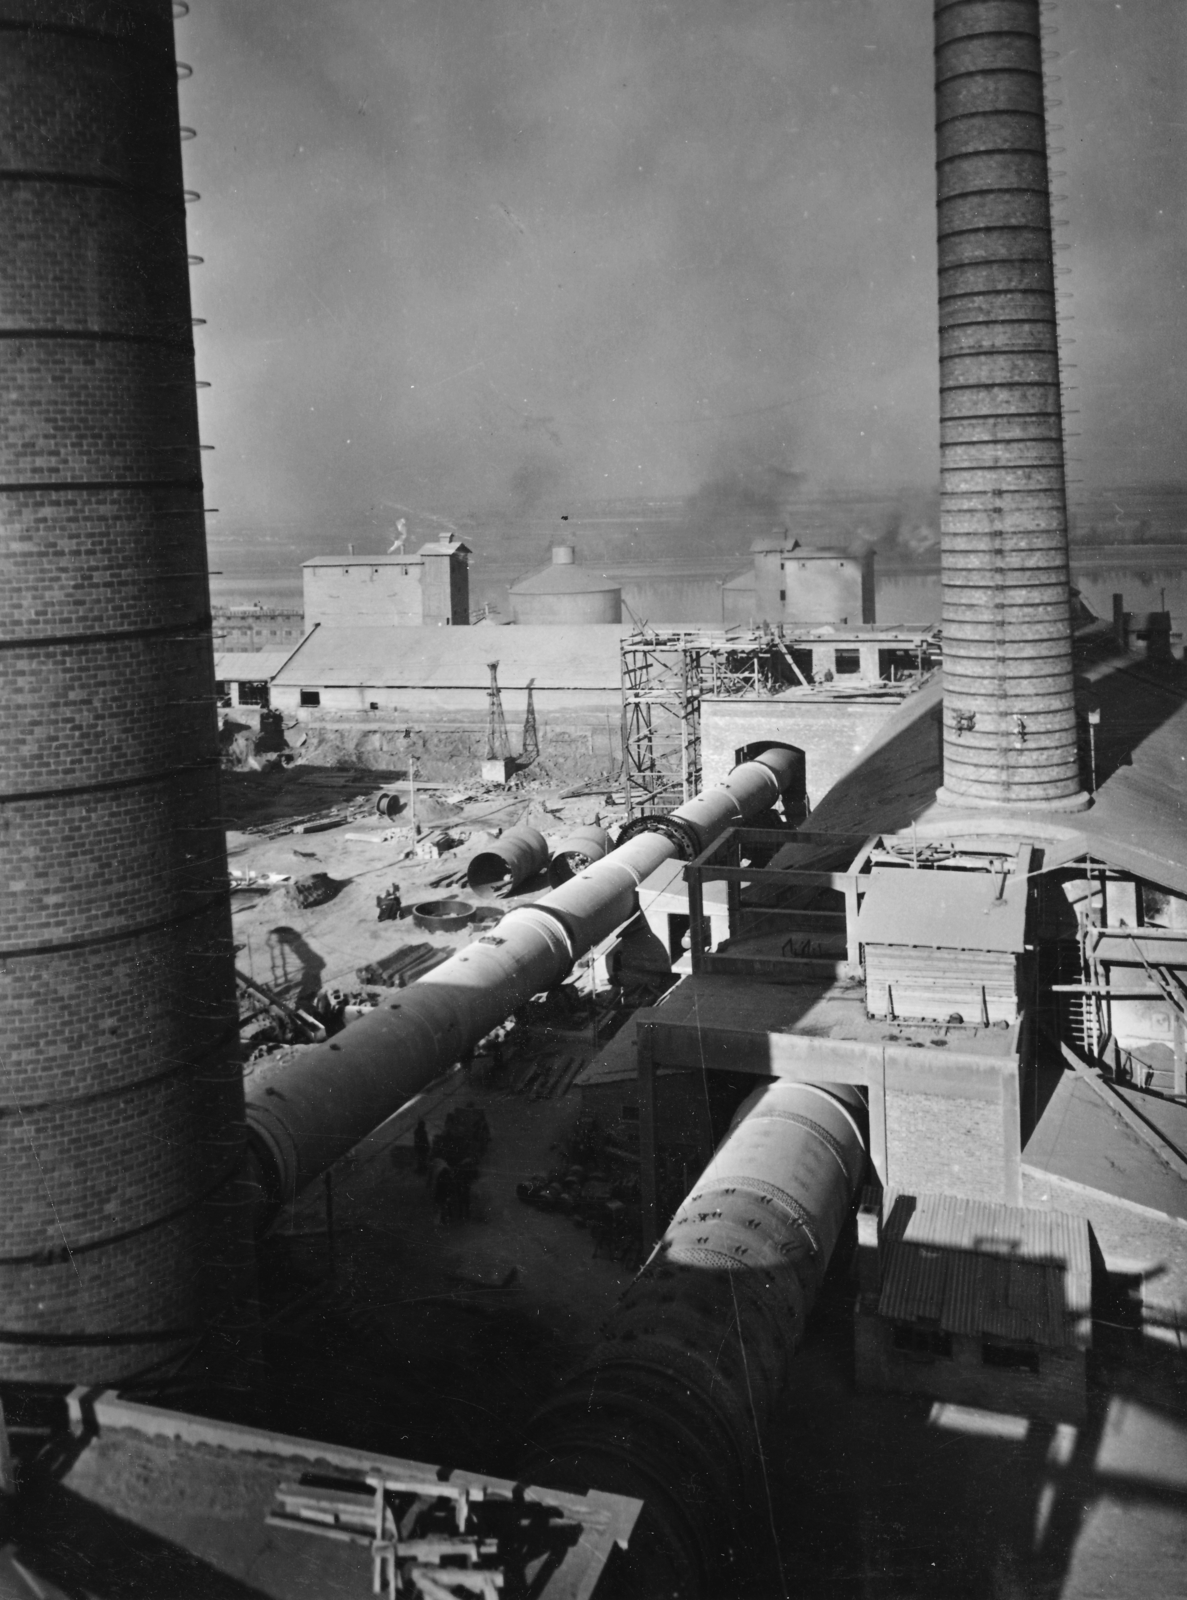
<point x="244" y="677"/>
<point x="414" y="670"/>
<point x="977" y="1304"/>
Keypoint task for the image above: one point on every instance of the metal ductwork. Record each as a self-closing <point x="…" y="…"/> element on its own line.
<point x="305" y="1113"/>
<point x="123" y="1210"/>
<point x="676" y="1402"/>
<point x="1009" y="710"/>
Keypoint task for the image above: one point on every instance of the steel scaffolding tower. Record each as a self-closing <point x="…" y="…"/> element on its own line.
<point x="667" y="672"/>
<point x="664" y="675"/>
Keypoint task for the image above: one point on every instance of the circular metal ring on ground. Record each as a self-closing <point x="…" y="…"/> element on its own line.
<point x="442" y="916"/>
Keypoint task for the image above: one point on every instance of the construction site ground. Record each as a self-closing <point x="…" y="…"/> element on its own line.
<point x="297" y="952"/>
<point x="436" y="1340"/>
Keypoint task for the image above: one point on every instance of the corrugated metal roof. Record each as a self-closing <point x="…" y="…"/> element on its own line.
<point x="251" y="666"/>
<point x="974" y="1267"/>
<point x="943" y="910"/>
<point x="457" y="658"/>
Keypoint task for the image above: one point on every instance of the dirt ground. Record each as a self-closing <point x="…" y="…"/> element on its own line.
<point x="296" y="952"/>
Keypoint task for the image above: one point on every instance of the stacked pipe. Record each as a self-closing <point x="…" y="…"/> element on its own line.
<point x="121" y="1102"/>
<point x="303" y="1115"/>
<point x="677" y="1401"/>
<point x="1009" y="711"/>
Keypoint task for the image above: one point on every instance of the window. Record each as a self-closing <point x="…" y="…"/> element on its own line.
<point x="783" y="594"/>
<point x="310" y="697"/>
<point x="1008" y="1357"/>
<point x="923" y="1343"/>
<point x="373" y="705"/>
<point x="848" y="661"/>
<point x="253" y="693"/>
<point x="222" y="693"/>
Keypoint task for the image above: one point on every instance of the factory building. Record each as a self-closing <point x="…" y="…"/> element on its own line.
<point x="418" y="672"/>
<point x="801" y="585"/>
<point x="565" y="594"/>
<point x="430" y="589"/>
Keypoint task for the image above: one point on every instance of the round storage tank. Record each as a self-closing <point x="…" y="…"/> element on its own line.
<point x="565" y="593"/>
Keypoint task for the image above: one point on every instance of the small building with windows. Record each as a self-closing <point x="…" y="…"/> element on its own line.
<point x="244" y="677"/>
<point x="975" y="1303"/>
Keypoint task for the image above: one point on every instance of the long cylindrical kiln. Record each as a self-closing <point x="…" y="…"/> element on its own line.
<point x="1009" y="709"/>
<point x="122" y="1211"/>
<point x="306" y="1113"/>
<point x="675" y="1404"/>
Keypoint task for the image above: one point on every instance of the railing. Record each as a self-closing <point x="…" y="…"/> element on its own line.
<point x="723" y="863"/>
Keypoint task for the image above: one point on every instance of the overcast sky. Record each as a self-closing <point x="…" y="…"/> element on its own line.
<point x="463" y="254"/>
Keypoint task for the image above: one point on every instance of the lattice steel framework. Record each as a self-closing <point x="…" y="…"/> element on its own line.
<point x="664" y="675"/>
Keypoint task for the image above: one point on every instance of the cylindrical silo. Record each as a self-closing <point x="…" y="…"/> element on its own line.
<point x="121" y="1134"/>
<point x="1009" y="711"/>
<point x="566" y="594"/>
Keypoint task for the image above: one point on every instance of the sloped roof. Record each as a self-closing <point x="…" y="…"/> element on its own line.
<point x="1138" y="818"/>
<point x="251" y="666"/>
<point x="743" y="581"/>
<point x="565" y="578"/>
<point x="457" y="658"/>
<point x="445" y="545"/>
<point x="974" y="1267"/>
<point x="1080" y="1139"/>
<point x="401" y="559"/>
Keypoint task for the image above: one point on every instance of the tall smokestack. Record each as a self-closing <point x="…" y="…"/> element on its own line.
<point x="121" y="1100"/>
<point x="1009" y="710"/>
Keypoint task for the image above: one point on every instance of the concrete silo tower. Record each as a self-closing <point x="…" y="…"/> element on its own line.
<point x="122" y="1219"/>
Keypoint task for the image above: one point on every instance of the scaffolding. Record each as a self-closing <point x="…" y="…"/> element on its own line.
<point x="664" y="676"/>
<point x="667" y="672"/>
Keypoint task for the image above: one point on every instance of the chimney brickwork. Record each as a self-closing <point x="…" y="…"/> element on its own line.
<point x="1009" y="709"/>
<point x="123" y="1212"/>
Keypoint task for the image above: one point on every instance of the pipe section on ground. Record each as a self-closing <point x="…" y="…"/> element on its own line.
<point x="1009" y="709"/>
<point x="677" y="1401"/>
<point x="307" y="1112"/>
<point x="506" y="863"/>
<point x="123" y="1211"/>
<point x="575" y="852"/>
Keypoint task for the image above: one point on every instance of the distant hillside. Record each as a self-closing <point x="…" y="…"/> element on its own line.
<point x="709" y="531"/>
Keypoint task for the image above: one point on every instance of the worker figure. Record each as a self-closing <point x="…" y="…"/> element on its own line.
<point x="463" y="1182"/>
<point x="441" y="1187"/>
<point x="420" y="1143"/>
